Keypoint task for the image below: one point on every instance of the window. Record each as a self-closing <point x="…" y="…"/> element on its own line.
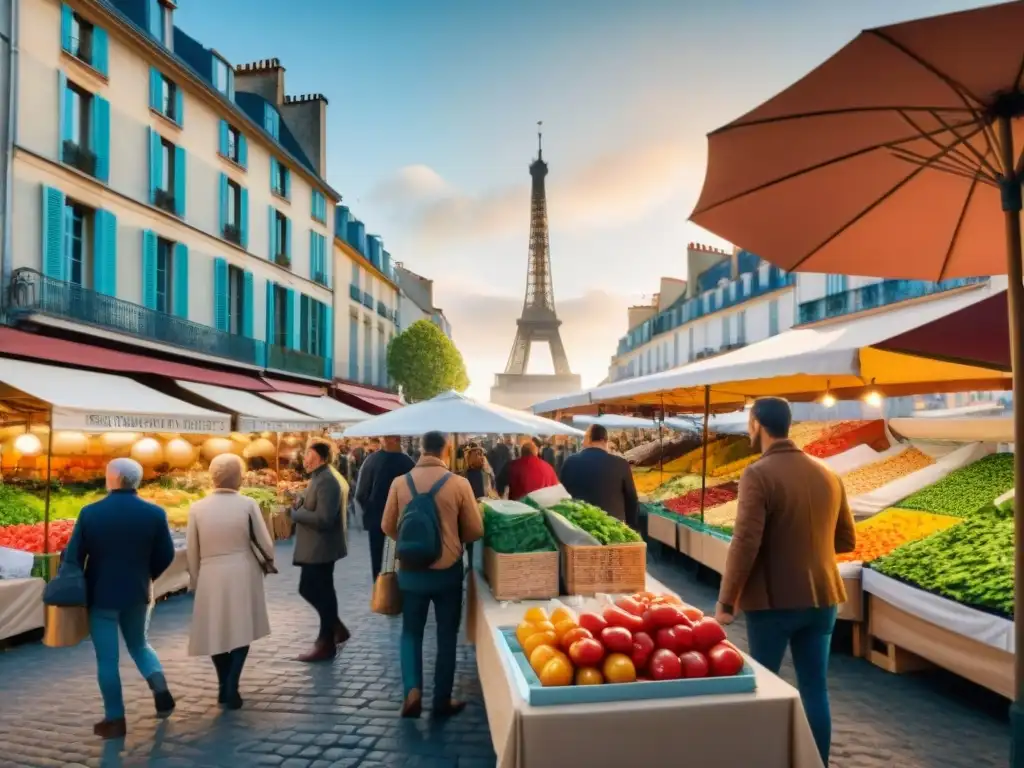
<point x="382" y="358"/>
<point x="310" y="321"/>
<point x="835" y="284"/>
<point x="234" y="145"/>
<point x="223" y="77"/>
<point x="168" y="94"/>
<point x="280" y="179"/>
<point x="741" y="327"/>
<point x="280" y="246"/>
<point x="773" y="317"/>
<point x="166" y="166"/>
<point x="233" y="214"/>
<point x="77" y="104"/>
<point x="160" y="22"/>
<point x="165" y="97"/>
<point x="236" y="300"/>
<point x="281" y="319"/>
<point x="726" y="331"/>
<point x="80" y="38"/>
<point x="164" y="259"/>
<point x="353" y="346"/>
<point x="367" y="351"/>
<point x="691" y="351"/>
<point x="75" y="250"/>
<point x="272" y="121"/>
<point x="319" y="211"/>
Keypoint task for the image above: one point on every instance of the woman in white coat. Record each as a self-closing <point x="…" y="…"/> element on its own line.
<point x="226" y="535"/>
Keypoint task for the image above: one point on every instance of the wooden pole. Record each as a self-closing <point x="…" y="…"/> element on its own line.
<point x="49" y="465"/>
<point x="704" y="452"/>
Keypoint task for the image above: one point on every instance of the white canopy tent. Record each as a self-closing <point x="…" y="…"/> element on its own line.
<point x="453" y="413"/>
<point x="252" y="412"/>
<point x="734" y="423"/>
<point x="87" y="401"/>
<point x="563" y="402"/>
<point x="615" y="421"/>
<point x="327" y="410"/>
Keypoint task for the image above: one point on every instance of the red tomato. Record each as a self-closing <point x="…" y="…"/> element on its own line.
<point x="684" y="637"/>
<point x="707" y="633"/>
<point x="573" y="635"/>
<point x="694" y="664"/>
<point x="617" y="617"/>
<point x="617" y="640"/>
<point x="665" y="639"/>
<point x="649" y="625"/>
<point x="586" y="652"/>
<point x="629" y="605"/>
<point x="693" y="614"/>
<point x="724" y="660"/>
<point x="664" y="616"/>
<point x="665" y="665"/>
<point x="643" y="647"/>
<point x="593" y="623"/>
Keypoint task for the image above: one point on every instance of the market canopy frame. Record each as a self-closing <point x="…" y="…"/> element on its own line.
<point x="253" y="413"/>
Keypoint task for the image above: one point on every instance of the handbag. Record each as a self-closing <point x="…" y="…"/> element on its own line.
<point x="387" y="597"/>
<point x="67" y="588"/>
<point x="265" y="562"/>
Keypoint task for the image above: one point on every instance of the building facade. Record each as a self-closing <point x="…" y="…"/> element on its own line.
<point x="416" y="300"/>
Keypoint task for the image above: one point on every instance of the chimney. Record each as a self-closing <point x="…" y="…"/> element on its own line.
<point x="264" y="78"/>
<point x="306" y="118"/>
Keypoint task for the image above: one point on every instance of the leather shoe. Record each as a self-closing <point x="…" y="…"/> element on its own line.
<point x="412" y="707"/>
<point x="341" y="633"/>
<point x="111" y="729"/>
<point x="322" y="651"/>
<point x="450" y="708"/>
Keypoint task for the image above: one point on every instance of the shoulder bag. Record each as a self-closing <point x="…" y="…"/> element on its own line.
<point x="263" y="560"/>
<point x="387" y="597"/>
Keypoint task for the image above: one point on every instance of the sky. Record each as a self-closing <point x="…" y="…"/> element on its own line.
<point x="432" y="126"/>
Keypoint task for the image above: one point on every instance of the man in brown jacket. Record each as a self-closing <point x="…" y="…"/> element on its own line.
<point x="460" y="523"/>
<point x="781" y="570"/>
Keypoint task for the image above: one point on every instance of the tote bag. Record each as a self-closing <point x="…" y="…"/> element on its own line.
<point x="387" y="598"/>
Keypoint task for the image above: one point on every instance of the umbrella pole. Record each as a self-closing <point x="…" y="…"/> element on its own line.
<point x="46" y="511"/>
<point x="661" y="443"/>
<point x="1011" y="194"/>
<point x="704" y="452"/>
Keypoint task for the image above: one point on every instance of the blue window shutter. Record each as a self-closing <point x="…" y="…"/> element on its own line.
<point x="291" y="338"/>
<point x="100" y="51"/>
<point x="155" y="166"/>
<point x="223" y="202"/>
<point x="224" y="138"/>
<point x="273" y="174"/>
<point x="179" y="271"/>
<point x="327" y="341"/>
<point x="312" y="255"/>
<point x="155" y="88"/>
<point x="53" y="233"/>
<point x="64" y="116"/>
<point x="287" y="248"/>
<point x="247" y="307"/>
<point x="270" y="312"/>
<point x="243" y="225"/>
<point x="180" y="181"/>
<point x="105" y="253"/>
<point x="272" y="243"/>
<point x="315" y="212"/>
<point x="149" y="269"/>
<point x="243" y="151"/>
<point x="65" y="27"/>
<point x="220" y="294"/>
<point x="101" y="136"/>
<point x="179" y="106"/>
<point x="287" y="183"/>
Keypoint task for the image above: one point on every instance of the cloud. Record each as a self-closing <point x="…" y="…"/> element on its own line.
<point x="609" y="191"/>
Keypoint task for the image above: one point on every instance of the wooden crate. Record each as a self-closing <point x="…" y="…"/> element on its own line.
<point x="662" y="529"/>
<point x="714" y="552"/>
<point x="528" y="576"/>
<point x="283" y="527"/>
<point x="685" y="540"/>
<point x="589" y="570"/>
<point x="853" y="608"/>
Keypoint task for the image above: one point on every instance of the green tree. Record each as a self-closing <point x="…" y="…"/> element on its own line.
<point x="425" y="362"/>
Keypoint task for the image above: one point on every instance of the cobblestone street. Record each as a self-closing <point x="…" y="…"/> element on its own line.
<point x="345" y="714"/>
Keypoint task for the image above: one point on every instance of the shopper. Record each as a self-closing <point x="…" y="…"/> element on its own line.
<point x="319" y="544"/>
<point x="478" y="474"/>
<point x="793" y="519"/>
<point x="526" y="474"/>
<point x="500" y="455"/>
<point x="123" y="544"/>
<point x="227" y="542"/>
<point x="598" y="476"/>
<point x="441" y="584"/>
<point x="378" y="472"/>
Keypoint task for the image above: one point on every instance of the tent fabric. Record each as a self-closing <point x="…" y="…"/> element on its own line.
<point x="810" y="361"/>
<point x="87" y="401"/>
<point x="453" y="413"/>
<point x="614" y="421"/>
<point x="564" y="402"/>
<point x="325" y="409"/>
<point x="252" y="412"/>
<point x="293" y="387"/>
<point x="370" y="400"/>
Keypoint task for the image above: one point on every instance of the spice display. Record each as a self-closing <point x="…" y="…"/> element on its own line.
<point x="846" y="435"/>
<point x="595" y="521"/>
<point x="966" y="490"/>
<point x="734" y="469"/>
<point x="874" y="476"/>
<point x="647" y="482"/>
<point x="676" y="486"/>
<point x="971" y="563"/>
<point x="689" y="503"/>
<point x="879" y="535"/>
<point x="514" y="528"/>
<point x="806" y="432"/>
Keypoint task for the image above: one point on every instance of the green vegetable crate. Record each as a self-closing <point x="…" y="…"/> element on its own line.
<point x="521" y="576"/>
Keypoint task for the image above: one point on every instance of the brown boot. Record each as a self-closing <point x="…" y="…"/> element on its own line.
<point x="450" y="708"/>
<point x="111" y="729"/>
<point x="323" y="650"/>
<point x="413" y="704"/>
<point x="341" y="633"/>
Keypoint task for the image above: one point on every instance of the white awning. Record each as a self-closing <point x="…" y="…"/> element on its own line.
<point x="252" y="412"/>
<point x="326" y="409"/>
<point x="614" y="421"/>
<point x="562" y="402"/>
<point x="87" y="401"/>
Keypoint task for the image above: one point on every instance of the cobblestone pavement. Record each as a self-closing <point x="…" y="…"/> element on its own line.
<point x="345" y="714"/>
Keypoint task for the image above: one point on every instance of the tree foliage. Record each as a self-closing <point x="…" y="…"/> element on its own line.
<point x="425" y="362"/>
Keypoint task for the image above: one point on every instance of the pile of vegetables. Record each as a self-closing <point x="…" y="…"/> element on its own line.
<point x="879" y="535"/>
<point x="649" y="480"/>
<point x="846" y="435"/>
<point x="595" y="521"/>
<point x="29" y="538"/>
<point x="689" y="503"/>
<point x="509" y="531"/>
<point x="874" y="476"/>
<point x="265" y="497"/>
<point x="971" y="563"/>
<point x="676" y="486"/>
<point x="17" y="507"/>
<point x="734" y="469"/>
<point x="966" y="490"/>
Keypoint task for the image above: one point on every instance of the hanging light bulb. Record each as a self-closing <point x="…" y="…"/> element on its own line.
<point x="828" y="400"/>
<point x="873" y="398"/>
<point x="28" y="444"/>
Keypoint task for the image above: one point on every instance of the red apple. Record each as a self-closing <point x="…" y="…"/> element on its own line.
<point x="694" y="664"/>
<point x="617" y="640"/>
<point x="665" y="665"/>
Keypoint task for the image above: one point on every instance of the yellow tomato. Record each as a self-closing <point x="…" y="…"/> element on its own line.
<point x="544" y="626"/>
<point x="562" y="627"/>
<point x="541" y="655"/>
<point x="618" y="668"/>
<point x="524" y="630"/>
<point x="560" y="614"/>
<point x="555" y="672"/>
<point x="589" y="676"/>
<point x="537" y="639"/>
<point x="535" y="614"/>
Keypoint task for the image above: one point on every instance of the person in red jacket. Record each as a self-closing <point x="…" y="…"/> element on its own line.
<point x="526" y="474"/>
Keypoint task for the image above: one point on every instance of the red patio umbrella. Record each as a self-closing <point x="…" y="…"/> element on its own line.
<point x="900" y="156"/>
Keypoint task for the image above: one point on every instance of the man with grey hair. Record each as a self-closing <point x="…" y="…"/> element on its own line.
<point x="123" y="544"/>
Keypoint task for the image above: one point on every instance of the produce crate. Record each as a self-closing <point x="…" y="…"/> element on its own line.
<point x="663" y="529"/>
<point x="280" y="524"/>
<point x="528" y="684"/>
<point x="589" y="570"/>
<point x="524" y="576"/>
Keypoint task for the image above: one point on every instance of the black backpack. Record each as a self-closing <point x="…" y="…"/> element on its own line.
<point x="419" y="531"/>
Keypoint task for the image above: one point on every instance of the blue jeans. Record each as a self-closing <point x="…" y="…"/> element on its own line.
<point x="808" y="633"/>
<point x="134" y="625"/>
<point x="419" y="590"/>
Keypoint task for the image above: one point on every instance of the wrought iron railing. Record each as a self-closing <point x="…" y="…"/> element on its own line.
<point x="321" y="278"/>
<point x="33" y="293"/>
<point x="232" y="234"/>
<point x="876" y="295"/>
<point x="283" y="260"/>
<point x="295" y="361"/>
<point x="164" y="200"/>
<point x="79" y="157"/>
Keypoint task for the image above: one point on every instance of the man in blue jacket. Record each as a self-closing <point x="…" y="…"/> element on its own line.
<point x="123" y="544"/>
<point x="375" y="478"/>
<point x="600" y="478"/>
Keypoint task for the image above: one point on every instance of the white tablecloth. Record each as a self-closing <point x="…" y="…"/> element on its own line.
<point x="21" y="606"/>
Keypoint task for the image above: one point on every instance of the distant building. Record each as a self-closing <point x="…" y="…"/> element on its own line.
<point x="416" y="300"/>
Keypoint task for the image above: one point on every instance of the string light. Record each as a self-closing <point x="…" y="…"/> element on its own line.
<point x="28" y="444"/>
<point x="828" y="400"/>
<point x="873" y="398"/>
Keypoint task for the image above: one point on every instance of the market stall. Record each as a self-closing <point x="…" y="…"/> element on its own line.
<point x="325" y="409"/>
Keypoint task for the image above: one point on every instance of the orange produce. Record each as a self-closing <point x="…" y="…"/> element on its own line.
<point x="881" y="534"/>
<point x="618" y="668"/>
<point x="562" y="627"/>
<point x="537" y="639"/>
<point x="544" y="626"/>
<point x="541" y="656"/>
<point x="557" y="671"/>
<point x="589" y="676"/>
<point x="570" y="637"/>
<point x="560" y="614"/>
<point x="524" y="630"/>
<point x="535" y="615"/>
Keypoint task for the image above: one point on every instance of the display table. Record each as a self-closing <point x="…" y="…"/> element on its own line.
<point x="175" y="578"/>
<point x="21" y="606"/>
<point x="775" y="733"/>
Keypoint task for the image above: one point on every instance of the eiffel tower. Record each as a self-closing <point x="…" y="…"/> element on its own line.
<point x="538" y="322"/>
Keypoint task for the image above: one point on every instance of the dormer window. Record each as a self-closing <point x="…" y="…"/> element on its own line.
<point x="223" y="77"/>
<point x="161" y="23"/>
<point x="272" y="121"/>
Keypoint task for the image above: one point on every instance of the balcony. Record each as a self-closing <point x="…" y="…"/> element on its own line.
<point x="295" y="361"/>
<point x="382" y="309"/>
<point x="232" y="234"/>
<point x="79" y="157"/>
<point x="355" y="292"/>
<point x="283" y="260"/>
<point x="31" y="293"/>
<point x="367" y="299"/>
<point x="164" y="200"/>
<point x="876" y="295"/>
<point x="321" y="278"/>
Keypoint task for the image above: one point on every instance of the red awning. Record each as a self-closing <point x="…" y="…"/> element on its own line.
<point x="293" y="387"/>
<point x="365" y="399"/>
<point x="46" y="348"/>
